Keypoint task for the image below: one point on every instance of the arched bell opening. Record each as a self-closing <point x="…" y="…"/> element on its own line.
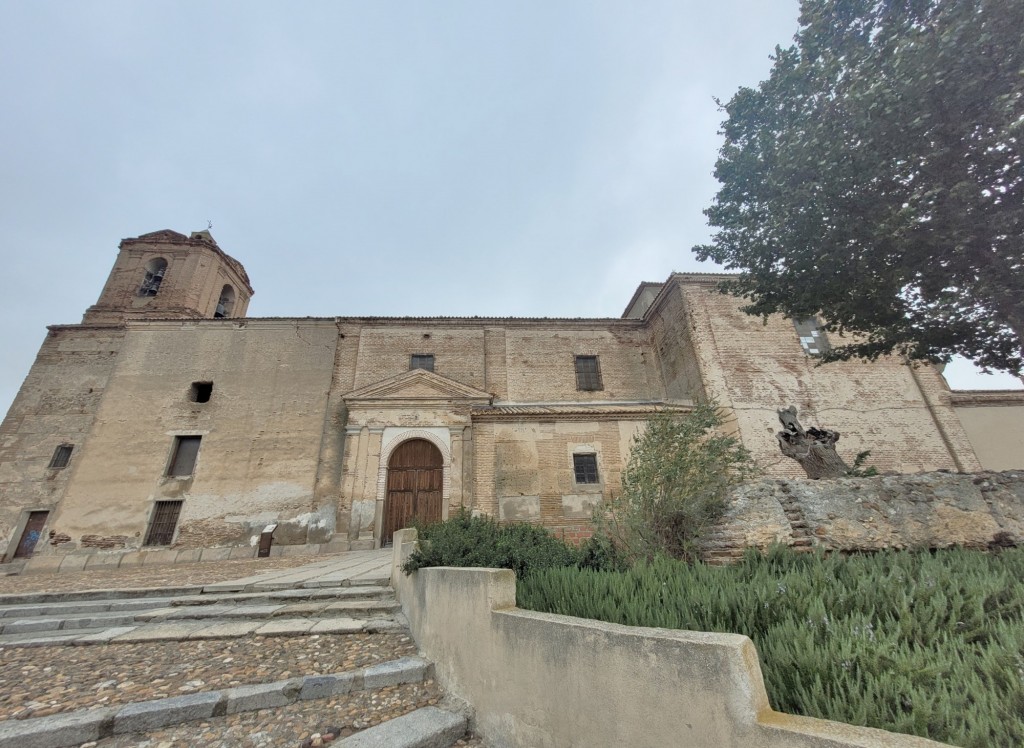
<point x="155" y="270"/>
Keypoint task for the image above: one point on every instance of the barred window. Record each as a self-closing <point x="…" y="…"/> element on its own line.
<point x="422" y="361"/>
<point x="588" y="373"/>
<point x="61" y="456"/>
<point x="585" y="467"/>
<point x="163" y="523"/>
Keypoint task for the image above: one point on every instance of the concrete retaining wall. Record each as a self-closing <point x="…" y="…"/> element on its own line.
<point x="537" y="679"/>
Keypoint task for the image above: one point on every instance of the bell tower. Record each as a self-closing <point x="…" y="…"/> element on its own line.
<point x="167" y="275"/>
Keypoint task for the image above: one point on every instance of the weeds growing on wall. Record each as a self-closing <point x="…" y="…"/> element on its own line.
<point x="675" y="484"/>
<point x="465" y="540"/>
<point x="920" y="643"/>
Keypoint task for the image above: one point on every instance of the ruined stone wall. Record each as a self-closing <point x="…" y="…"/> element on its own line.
<point x="261" y="432"/>
<point x="55" y="405"/>
<point x="927" y="510"/>
<point x="903" y="414"/>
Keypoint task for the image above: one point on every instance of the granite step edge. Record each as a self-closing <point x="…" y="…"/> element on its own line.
<point x="84" y="725"/>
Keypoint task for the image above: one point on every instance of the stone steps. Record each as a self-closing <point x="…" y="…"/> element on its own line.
<point x="226" y="611"/>
<point x="132" y="593"/>
<point x="190" y="613"/>
<point x="430" y="727"/>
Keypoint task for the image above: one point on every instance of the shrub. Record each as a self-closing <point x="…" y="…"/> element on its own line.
<point x="674" y="485"/>
<point x="465" y="540"/>
<point x="930" y="645"/>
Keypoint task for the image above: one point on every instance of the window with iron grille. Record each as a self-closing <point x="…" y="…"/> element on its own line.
<point x="61" y="456"/>
<point x="422" y="361"/>
<point x="812" y="337"/>
<point x="588" y="373"/>
<point x="585" y="467"/>
<point x="163" y="523"/>
<point x="183" y="459"/>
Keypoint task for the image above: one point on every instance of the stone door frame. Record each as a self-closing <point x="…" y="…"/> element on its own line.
<point x="393" y="440"/>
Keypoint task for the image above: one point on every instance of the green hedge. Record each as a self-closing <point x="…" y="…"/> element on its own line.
<point x="920" y="643"/>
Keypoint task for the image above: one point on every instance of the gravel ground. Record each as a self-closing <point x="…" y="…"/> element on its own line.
<point x="35" y="682"/>
<point x="168" y="575"/>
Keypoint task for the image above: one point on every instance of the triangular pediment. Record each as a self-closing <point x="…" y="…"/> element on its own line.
<point x="418" y="385"/>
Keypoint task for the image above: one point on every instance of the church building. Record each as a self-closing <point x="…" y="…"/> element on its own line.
<point x="170" y="420"/>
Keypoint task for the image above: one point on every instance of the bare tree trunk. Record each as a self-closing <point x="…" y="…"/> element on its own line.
<point x="814" y="449"/>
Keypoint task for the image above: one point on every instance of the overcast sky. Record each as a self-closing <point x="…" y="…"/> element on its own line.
<point x="532" y="158"/>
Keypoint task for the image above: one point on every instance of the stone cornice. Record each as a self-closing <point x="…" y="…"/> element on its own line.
<point x="609" y="411"/>
<point x="986" y="398"/>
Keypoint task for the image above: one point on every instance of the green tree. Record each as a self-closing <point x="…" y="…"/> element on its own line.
<point x="675" y="484"/>
<point x="876" y="178"/>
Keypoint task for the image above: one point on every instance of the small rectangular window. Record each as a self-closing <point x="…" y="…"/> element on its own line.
<point x="588" y="373"/>
<point x="163" y="523"/>
<point x="585" y="466"/>
<point x="183" y="461"/>
<point x="61" y="456"/>
<point x="812" y="337"/>
<point x="201" y="392"/>
<point x="422" y="361"/>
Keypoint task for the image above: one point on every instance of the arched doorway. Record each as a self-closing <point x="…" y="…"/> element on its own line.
<point x="414" y="488"/>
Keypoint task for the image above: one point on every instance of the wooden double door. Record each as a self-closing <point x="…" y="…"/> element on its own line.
<point x="414" y="488"/>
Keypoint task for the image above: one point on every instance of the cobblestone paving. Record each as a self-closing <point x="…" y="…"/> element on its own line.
<point x="47" y="680"/>
<point x="290" y="725"/>
<point x="165" y="575"/>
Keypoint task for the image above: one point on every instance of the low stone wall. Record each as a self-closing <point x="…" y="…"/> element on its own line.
<point x="537" y="679"/>
<point x="924" y="510"/>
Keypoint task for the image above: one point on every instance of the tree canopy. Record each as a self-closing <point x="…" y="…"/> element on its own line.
<point x="876" y="178"/>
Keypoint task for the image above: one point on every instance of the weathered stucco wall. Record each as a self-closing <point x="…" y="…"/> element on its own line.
<point x="536" y="679"/>
<point x="927" y="510"/>
<point x="524" y="470"/>
<point x="55" y="405"/>
<point x="903" y="414"/>
<point x="260" y="430"/>
<point x="994" y="422"/>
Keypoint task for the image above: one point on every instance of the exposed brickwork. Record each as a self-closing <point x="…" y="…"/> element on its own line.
<point x="575" y="534"/>
<point x="105" y="543"/>
<point x="197" y="270"/>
